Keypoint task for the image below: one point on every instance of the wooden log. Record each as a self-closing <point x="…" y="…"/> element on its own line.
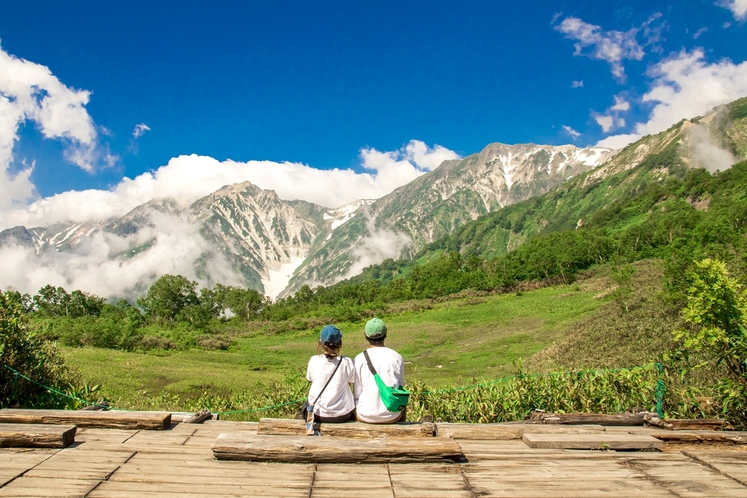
<point x="707" y="424"/>
<point x="291" y="427"/>
<point x="198" y="417"/>
<point x="653" y="419"/>
<point x="327" y="449"/>
<point x="677" y="437"/>
<point x="592" y="441"/>
<point x="510" y="431"/>
<point x="98" y="406"/>
<point x="36" y="436"/>
<point x="98" y="419"/>
<point x="601" y="418"/>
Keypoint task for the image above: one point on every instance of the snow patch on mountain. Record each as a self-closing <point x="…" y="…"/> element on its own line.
<point x="277" y="279"/>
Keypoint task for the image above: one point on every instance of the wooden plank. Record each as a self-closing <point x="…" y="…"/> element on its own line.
<point x="133" y="489"/>
<point x="675" y="437"/>
<point x="243" y="446"/>
<point x="730" y="463"/>
<point x="110" y="420"/>
<point x="291" y="427"/>
<point x="37" y="486"/>
<point x="592" y="441"/>
<point x="708" y="424"/>
<point x="599" y="418"/>
<point x="689" y="478"/>
<point x="506" y="432"/>
<point x="36" y="436"/>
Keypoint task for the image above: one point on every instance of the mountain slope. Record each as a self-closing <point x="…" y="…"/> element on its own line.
<point x="437" y="203"/>
<point x="653" y="159"/>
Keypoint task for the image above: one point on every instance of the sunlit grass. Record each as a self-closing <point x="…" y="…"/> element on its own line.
<point x="453" y="342"/>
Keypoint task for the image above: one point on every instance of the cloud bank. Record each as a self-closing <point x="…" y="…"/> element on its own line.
<point x="30" y="92"/>
<point x="684" y="86"/>
<point x="188" y="178"/>
<point x="100" y="264"/>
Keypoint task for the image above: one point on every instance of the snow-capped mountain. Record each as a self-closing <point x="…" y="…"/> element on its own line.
<point x="275" y="245"/>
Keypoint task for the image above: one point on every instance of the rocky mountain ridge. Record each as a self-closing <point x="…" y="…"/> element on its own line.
<point x="276" y="246"/>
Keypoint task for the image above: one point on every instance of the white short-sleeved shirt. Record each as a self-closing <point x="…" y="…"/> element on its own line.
<point x="337" y="399"/>
<point x="391" y="368"/>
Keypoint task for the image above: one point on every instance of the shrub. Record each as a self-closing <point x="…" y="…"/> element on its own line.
<point x="30" y="355"/>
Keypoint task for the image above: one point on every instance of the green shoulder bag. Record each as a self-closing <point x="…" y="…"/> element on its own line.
<point x="394" y="398"/>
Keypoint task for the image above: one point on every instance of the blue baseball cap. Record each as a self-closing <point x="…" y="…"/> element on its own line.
<point x="331" y="335"/>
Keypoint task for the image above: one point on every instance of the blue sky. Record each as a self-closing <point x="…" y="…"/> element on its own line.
<point x="328" y="84"/>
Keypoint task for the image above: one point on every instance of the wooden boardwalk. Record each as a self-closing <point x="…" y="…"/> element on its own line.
<point x="179" y="462"/>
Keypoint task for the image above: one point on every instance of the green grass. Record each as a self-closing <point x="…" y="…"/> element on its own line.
<point x="454" y="342"/>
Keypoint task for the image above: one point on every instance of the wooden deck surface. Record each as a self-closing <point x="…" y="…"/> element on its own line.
<point x="179" y="462"/>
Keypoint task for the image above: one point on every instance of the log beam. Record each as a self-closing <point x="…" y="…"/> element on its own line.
<point x="291" y="427"/>
<point x="85" y="418"/>
<point x="314" y="449"/>
<point x="36" y="436"/>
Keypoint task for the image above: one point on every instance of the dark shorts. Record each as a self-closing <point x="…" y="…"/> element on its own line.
<point x="334" y="420"/>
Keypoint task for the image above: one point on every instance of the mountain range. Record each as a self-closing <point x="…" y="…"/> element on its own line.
<point x="276" y="246"/>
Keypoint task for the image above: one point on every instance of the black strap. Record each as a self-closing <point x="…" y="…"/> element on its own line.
<point x="370" y="365"/>
<point x="328" y="381"/>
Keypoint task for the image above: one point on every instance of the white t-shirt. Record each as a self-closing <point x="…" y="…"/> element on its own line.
<point x="391" y="368"/>
<point x="337" y="399"/>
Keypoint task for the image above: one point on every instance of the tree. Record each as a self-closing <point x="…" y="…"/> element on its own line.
<point x="717" y="308"/>
<point x="168" y="297"/>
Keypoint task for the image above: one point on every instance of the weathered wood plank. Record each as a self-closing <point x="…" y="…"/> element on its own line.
<point x="730" y="463"/>
<point x="36" y="436"/>
<point x="598" y="418"/>
<point x="37" y="486"/>
<point x="198" y="417"/>
<point x="506" y="432"/>
<point x="712" y="424"/>
<point x="242" y="446"/>
<point x="592" y="441"/>
<point x="111" y="419"/>
<point x="688" y="478"/>
<point x="161" y="489"/>
<point x="674" y="437"/>
<point x="290" y="427"/>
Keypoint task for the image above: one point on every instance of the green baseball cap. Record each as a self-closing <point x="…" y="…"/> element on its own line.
<point x="375" y="328"/>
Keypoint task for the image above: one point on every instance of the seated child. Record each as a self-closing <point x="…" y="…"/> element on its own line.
<point x="331" y="375"/>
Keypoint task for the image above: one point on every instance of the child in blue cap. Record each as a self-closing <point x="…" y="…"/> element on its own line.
<point x="331" y="376"/>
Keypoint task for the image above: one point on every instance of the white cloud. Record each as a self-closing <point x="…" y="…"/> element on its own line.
<point x="618" y="141"/>
<point x="612" y="118"/>
<point x="425" y="157"/>
<point x="706" y="153"/>
<point x="30" y="92"/>
<point x="570" y="131"/>
<point x="140" y="130"/>
<point x="737" y="7"/>
<point x="620" y="104"/>
<point x="577" y="84"/>
<point x="611" y="46"/>
<point x="685" y="86"/>
<point x="187" y="178"/>
<point x="606" y="122"/>
<point x="700" y="33"/>
<point x="378" y="245"/>
<point x="97" y="265"/>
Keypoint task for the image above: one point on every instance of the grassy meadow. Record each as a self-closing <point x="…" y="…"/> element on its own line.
<point x="453" y="342"/>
